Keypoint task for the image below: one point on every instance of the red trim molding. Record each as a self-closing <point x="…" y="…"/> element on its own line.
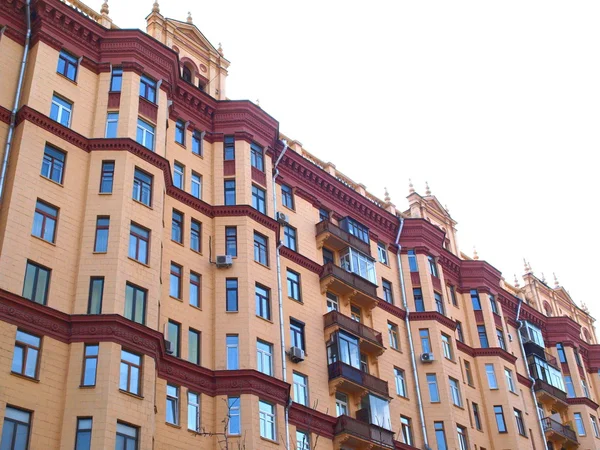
<point x="432" y="315"/>
<point x="301" y="260"/>
<point x="525" y="381"/>
<point x="394" y="310"/>
<point x="310" y="419"/>
<point x="583" y="401"/>
<point x="4" y="115"/>
<point x="485" y="352"/>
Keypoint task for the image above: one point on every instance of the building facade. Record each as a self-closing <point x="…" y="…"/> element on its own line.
<point x="154" y="295"/>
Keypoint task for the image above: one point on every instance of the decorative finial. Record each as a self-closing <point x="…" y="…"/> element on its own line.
<point x="447" y="209"/>
<point x="526" y="266"/>
<point x="257" y="102"/>
<point x="189" y="17"/>
<point x="220" y="49"/>
<point x="387" y="196"/>
<point x="516" y="281"/>
<point x="411" y="188"/>
<point x="584" y="307"/>
<point x="543" y="278"/>
<point x="556" y="284"/>
<point x="475" y="255"/>
<point x="155" y="7"/>
<point x="427" y="190"/>
<point x="104" y="8"/>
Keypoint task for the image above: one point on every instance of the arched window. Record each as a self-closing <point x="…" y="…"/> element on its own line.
<point x="548" y="309"/>
<point x="586" y="336"/>
<point x="187" y="74"/>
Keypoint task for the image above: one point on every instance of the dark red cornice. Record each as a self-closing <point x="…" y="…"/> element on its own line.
<point x="524" y="380"/>
<point x="310" y="419"/>
<point x="484" y="352"/>
<point x="394" y="310"/>
<point x="4" y="115"/>
<point x="562" y="329"/>
<point x="301" y="260"/>
<point x="479" y="275"/>
<point x="419" y="233"/>
<point x="583" y="401"/>
<point x="432" y="315"/>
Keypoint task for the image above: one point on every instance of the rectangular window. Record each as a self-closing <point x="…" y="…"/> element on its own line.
<point x="26" y="354"/>
<point x="400" y="378"/>
<point x="289" y="238"/>
<point x="440" y="436"/>
<point x="447" y="346"/>
<point x="519" y="422"/>
<point x="468" y="373"/>
<point x="501" y="341"/>
<point x="425" y="342"/>
<point x="493" y="304"/>
<point x="175" y="281"/>
<point x="67" y="65"/>
<point x="302" y="440"/>
<point x="233" y="360"/>
<point x="452" y="290"/>
<point x="44" y="221"/>
<point x="95" y="295"/>
<point x="293" y="285"/>
<point x="229" y="148"/>
<point x="266" y="413"/>
<point x="459" y="332"/>
<point x="332" y="302"/>
<point x="139" y="241"/>
<point x="263" y="302"/>
<point x="432" y="266"/>
<point x="127" y="437"/>
<point x="179" y="175"/>
<point x="229" y="187"/>
<point x="287" y="196"/>
<point x="90" y="365"/>
<point x="341" y="404"/>
<point x="196" y="236"/>
<point x="455" y="392"/>
<point x="145" y="134"/>
<point x="142" y="187"/>
<point x="107" y="177"/>
<point x="193" y="411"/>
<point x="264" y="357"/>
<point x="383" y="254"/>
<point x="562" y="357"/>
<point x="174" y="337"/>
<point x="475" y="300"/>
<point x="116" y="79"/>
<point x="323" y="214"/>
<point x="195" y="289"/>
<point x="112" y="124"/>
<point x="196" y="185"/>
<point x="60" y="110"/>
<point x="355" y="229"/>
<point x="462" y="438"/>
<point x="500" y="423"/>
<point x="483" y="339"/>
<point x="569" y="386"/>
<point x="260" y="249"/>
<point x="393" y="335"/>
<point x="327" y="256"/>
<point x="16" y="429"/>
<point x="130" y="372"/>
<point x="356" y="313"/>
<point x="594" y="423"/>
<point x="258" y="199"/>
<point x="406" y="430"/>
<point x="83" y="436"/>
<point x="180" y="132"/>
<point x="37" y="282"/>
<point x="434" y="393"/>
<point x="300" y="389"/>
<point x="172" y="410"/>
<point x="418" y="296"/>
<point x="231" y="294"/>
<point x="297" y="334"/>
<point x="231" y="241"/>
<point x="257" y="157"/>
<point x="177" y="227"/>
<point x="234" y="426"/>
<point x="439" y="303"/>
<point x="510" y="383"/>
<point x="197" y="143"/>
<point x="476" y="416"/>
<point x="388" y="295"/>
<point x="148" y="88"/>
<point x="579" y="424"/>
<point x="412" y="261"/>
<point x="194" y="346"/>
<point x="584" y="387"/>
<point x="491" y="376"/>
<point x="53" y="164"/>
<point x="135" y="303"/>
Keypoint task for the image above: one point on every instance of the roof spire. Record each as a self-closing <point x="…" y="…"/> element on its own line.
<point x="556" y="284"/>
<point x="475" y="255"/>
<point x="220" y="50"/>
<point x="104" y="8"/>
<point x="155" y="7"/>
<point x="543" y="278"/>
<point x="387" y="196"/>
<point x="189" y="18"/>
<point x="526" y="266"/>
<point x="427" y="190"/>
<point x="257" y="102"/>
<point x="516" y="281"/>
<point x="411" y="188"/>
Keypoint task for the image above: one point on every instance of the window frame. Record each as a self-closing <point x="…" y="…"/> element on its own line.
<point x="233" y="345"/>
<point x="144" y="182"/>
<point x="195" y="283"/>
<point x="138" y="238"/>
<point x="177" y="225"/>
<point x="148" y="88"/>
<point x="196" y="185"/>
<point x="175" y="280"/>
<point x="393" y="335"/>
<point x="116" y="74"/>
<point x="52" y="161"/>
<point x="400" y="381"/>
<point x="229" y="194"/>
<point x="107" y="175"/>
<point x="382" y="254"/>
<point x="267" y="418"/>
<point x="80" y="429"/>
<point x="45" y="210"/>
<point x="519" y="422"/>
<point x="433" y="388"/>
<point x="172" y="404"/>
<point x="294" y="286"/>
<point x="196" y="235"/>
<point x="197" y="336"/>
<point x="287" y="197"/>
<point x="261" y="249"/>
<point x="490" y="372"/>
<point x="198" y="143"/>
<point x="388" y="293"/>
<point x="290" y="237"/>
<point x="234" y="290"/>
<point x="35" y="289"/>
<point x="447" y="347"/>
<point x="299" y="388"/>
<point x="68" y="61"/>
<point x="174" y="336"/>
<point x="264" y="357"/>
<point x="229" y="148"/>
<point x="130" y="367"/>
<point x="179" y="175"/>
<point x="231" y="241"/>
<point x="263" y="301"/>
<point x="86" y="358"/>
<point x="90" y="309"/>
<point x="418" y="300"/>
<point x="483" y="338"/>
<point x="297" y="335"/>
<point x="145" y="132"/>
<point x="455" y="393"/>
<point x="237" y="408"/>
<point x="15" y="422"/>
<point x="25" y="348"/>
<point x="257" y="157"/>
<point x="259" y="199"/>
<point x="63" y="106"/>
<point x="128" y="437"/>
<point x="136" y="291"/>
<point x="112" y="125"/>
<point x="180" y="132"/>
<point x="197" y="406"/>
<point x="499" y="417"/>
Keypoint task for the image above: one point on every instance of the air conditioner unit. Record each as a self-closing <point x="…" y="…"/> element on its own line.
<point x="427" y="357"/>
<point x="169" y="347"/>
<point x="296" y="354"/>
<point x="224" y="261"/>
<point x="282" y="218"/>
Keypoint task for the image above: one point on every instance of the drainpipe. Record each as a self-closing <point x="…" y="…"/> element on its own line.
<point x="13" y="114"/>
<point x="532" y="389"/>
<point x="280" y="299"/>
<point x="410" y="339"/>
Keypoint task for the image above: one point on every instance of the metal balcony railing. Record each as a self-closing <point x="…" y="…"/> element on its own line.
<point x="354" y="327"/>
<point x="342" y="237"/>
<point x="541" y="385"/>
<point x="551" y="425"/>
<point x="342" y="370"/>
<point x="350" y="279"/>
<point x="377" y="436"/>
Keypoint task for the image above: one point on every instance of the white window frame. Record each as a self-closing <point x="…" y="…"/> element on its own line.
<point x="62" y="108"/>
<point x="300" y="388"/>
<point x="510" y="382"/>
<point x="110" y="120"/>
<point x="173" y="399"/>
<point x="491" y="376"/>
<point x="455" y="391"/>
<point x="579" y="425"/>
<point x="264" y="358"/>
<point x="383" y="254"/>
<point x="193" y="410"/>
<point x="151" y="130"/>
<point x="400" y="378"/>
<point x="196" y="182"/>
<point x="179" y="172"/>
<point x="341" y="404"/>
<point x="333" y="302"/>
<point x="446" y="346"/>
<point x="267" y="420"/>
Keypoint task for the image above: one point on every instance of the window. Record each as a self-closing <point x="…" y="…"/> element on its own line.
<point x="142" y="187"/>
<point x="327" y="256"/>
<point x="501" y="341"/>
<point x="500" y="419"/>
<point x="135" y="303"/>
<point x="231" y="241"/>
<point x="594" y="423"/>
<point x="196" y="185"/>
<point x="107" y="176"/>
<point x="26" y="354"/>
<point x="194" y="346"/>
<point x="447" y="346"/>
<point x="229" y="148"/>
<point x="186" y="74"/>
<point x="127" y="437"/>
<point x="180" y="132"/>
<point x="234" y="425"/>
<point x="145" y="134"/>
<point x="193" y="411"/>
<point x="260" y="249"/>
<point x="393" y="335"/>
<point x="459" y="332"/>
<point x="195" y="289"/>
<point x="148" y="88"/>
<point x="112" y="123"/>
<point x="293" y="285"/>
<point x="579" y="424"/>
<point x="53" y="164"/>
<point x="462" y="438"/>
<point x="179" y="175"/>
<point x="452" y="290"/>
<point x="196" y="236"/>
<point x="483" y="340"/>
<point x="264" y="357"/>
<point x="44" y="221"/>
<point x="382" y="253"/>
<point x="67" y="65"/>
<point x="577" y="358"/>
<point x="425" y="343"/>
<point x="266" y="413"/>
<point x="418" y="296"/>
<point x="439" y="303"/>
<point x="400" y="378"/>
<point x="412" y="261"/>
<point x="60" y="110"/>
<point x="172" y="410"/>
<point x="116" y="79"/>
<point x="297" y="334"/>
<point x="177" y="227"/>
<point x="16" y="429"/>
<point x="37" y="282"/>
<point x="434" y="393"/>
<point x="491" y="376"/>
<point x="323" y="214"/>
<point x="175" y="281"/>
<point x="263" y="302"/>
<point x="388" y="296"/>
<point x="130" y="373"/>
<point x="258" y="199"/>
<point x="355" y="228"/>
<point x="440" y="435"/>
<point x="510" y="383"/>
<point x="468" y="373"/>
<point x="455" y="392"/>
<point x="90" y="365"/>
<point x="197" y="143"/>
<point x="231" y="294"/>
<point x="341" y="404"/>
<point x="562" y="357"/>
<point x="356" y="313"/>
<point x="257" y="157"/>
<point x="95" y="295"/>
<point x="232" y="352"/>
<point x="174" y="337"/>
<point x="289" y="237"/>
<point x="476" y="416"/>
<point x="493" y="304"/>
<point x="584" y="387"/>
<point x="83" y="436"/>
<point x="302" y="440"/>
<point x="332" y="302"/>
<point x="300" y="389"/>
<point x="139" y="240"/>
<point x="475" y="300"/>
<point x="519" y="422"/>
<point x="432" y="265"/>
<point x="533" y="334"/>
<point x="229" y="192"/>
<point x="358" y="263"/>
<point x="287" y="196"/>
<point x="569" y="386"/>
<point x="406" y="430"/>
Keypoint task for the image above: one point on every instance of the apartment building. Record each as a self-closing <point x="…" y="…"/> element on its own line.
<point x="175" y="273"/>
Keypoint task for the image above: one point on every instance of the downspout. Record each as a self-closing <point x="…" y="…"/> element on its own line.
<point x="410" y="339"/>
<point x="532" y="388"/>
<point x="280" y="299"/>
<point x="13" y="114"/>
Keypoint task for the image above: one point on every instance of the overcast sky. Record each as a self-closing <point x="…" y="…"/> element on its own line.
<point x="495" y="104"/>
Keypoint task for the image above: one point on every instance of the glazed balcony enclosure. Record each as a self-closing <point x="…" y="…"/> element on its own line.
<point x="561" y="435"/>
<point x="348" y="284"/>
<point x="370" y="340"/>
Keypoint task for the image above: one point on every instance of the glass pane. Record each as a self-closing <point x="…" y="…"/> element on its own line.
<point x="84" y="440"/>
<point x="31" y="364"/>
<point x="17" y="363"/>
<point x="123" y="376"/>
<point x="135" y="374"/>
<point x="89" y="377"/>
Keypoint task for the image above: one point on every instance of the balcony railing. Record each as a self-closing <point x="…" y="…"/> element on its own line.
<point x="374" y="435"/>
<point x="541" y="385"/>
<point x="354" y="327"/>
<point x="358" y="377"/>
<point x="531" y="348"/>
<point x="350" y="279"/>
<point x="551" y="425"/>
<point x="339" y="239"/>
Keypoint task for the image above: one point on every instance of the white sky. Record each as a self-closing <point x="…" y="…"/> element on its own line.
<point x="495" y="104"/>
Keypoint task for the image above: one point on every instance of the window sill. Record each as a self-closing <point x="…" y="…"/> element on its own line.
<point x="87" y="386"/>
<point x="198" y="252"/>
<point x="175" y="298"/>
<point x="67" y="78"/>
<point x="199" y="155"/>
<point x="181" y="144"/>
<point x="288" y="208"/>
<point x="104" y="193"/>
<point x="131" y="394"/>
<point x="172" y="425"/>
<point x="141" y="203"/>
<point x="25" y="377"/>
<point x="261" y="264"/>
<point x="266" y="320"/>
<point x="43" y="240"/>
<point x="297" y="301"/>
<point x="99" y="253"/>
<point x="139" y="262"/>
<point x="233" y="312"/>
<point x="199" y="308"/>
<point x="269" y="440"/>
<point x="52" y="181"/>
<point x="177" y="242"/>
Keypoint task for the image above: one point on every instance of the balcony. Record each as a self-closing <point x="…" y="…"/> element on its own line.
<point x="560" y="434"/>
<point x="370" y="340"/>
<point x="355" y="434"/>
<point x="344" y="283"/>
<point x="337" y="239"/>
<point x="531" y="348"/>
<point x="546" y="393"/>
<point x="351" y="379"/>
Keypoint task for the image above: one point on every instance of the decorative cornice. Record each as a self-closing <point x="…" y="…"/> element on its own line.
<point x="583" y="401"/>
<point x="58" y="130"/>
<point x="301" y="260"/>
<point x="524" y="380"/>
<point x="310" y="419"/>
<point x="432" y="315"/>
<point x="392" y="309"/>
<point x="4" y="115"/>
<point x="485" y="352"/>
